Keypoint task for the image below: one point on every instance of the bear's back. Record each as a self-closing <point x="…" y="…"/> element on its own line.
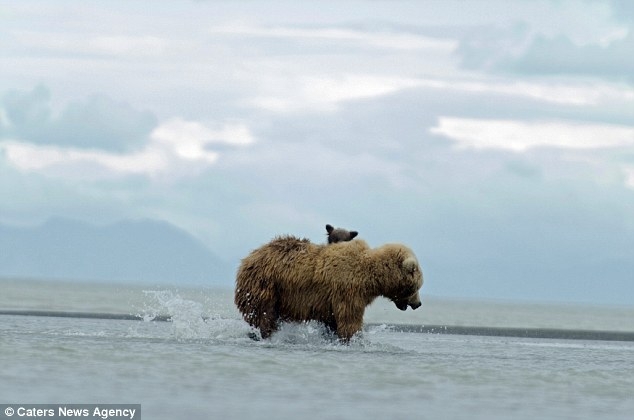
<point x="285" y="257"/>
<point x="341" y="262"/>
<point x="346" y="249"/>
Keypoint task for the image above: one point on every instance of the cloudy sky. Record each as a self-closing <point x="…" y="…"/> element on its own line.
<point x="496" y="138"/>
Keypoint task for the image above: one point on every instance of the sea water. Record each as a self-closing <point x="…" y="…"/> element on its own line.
<point x="202" y="365"/>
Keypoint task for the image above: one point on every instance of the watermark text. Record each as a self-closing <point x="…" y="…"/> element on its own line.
<point x="69" y="411"/>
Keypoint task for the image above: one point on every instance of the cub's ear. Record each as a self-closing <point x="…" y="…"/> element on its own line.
<point x="410" y="264"/>
<point x="329" y="228"/>
<point x="353" y="234"/>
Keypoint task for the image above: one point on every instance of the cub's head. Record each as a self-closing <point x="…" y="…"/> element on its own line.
<point x="339" y="235"/>
<point x="405" y="293"/>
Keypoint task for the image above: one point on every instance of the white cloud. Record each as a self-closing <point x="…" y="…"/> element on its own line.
<point x="334" y="90"/>
<point x="573" y="93"/>
<point x="326" y="93"/>
<point x="122" y="45"/>
<point x="629" y="177"/>
<point x="190" y="139"/>
<point x="615" y="34"/>
<point x="109" y="45"/>
<point x="5" y="122"/>
<point x="176" y="147"/>
<point x="376" y="39"/>
<point x="520" y="136"/>
<point x="32" y="158"/>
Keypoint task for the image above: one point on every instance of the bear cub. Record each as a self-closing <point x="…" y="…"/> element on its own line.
<point x="339" y="235"/>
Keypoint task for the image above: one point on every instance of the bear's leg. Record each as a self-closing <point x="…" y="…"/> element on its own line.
<point x="268" y="320"/>
<point x="331" y="326"/>
<point x="349" y="320"/>
<point x="347" y="330"/>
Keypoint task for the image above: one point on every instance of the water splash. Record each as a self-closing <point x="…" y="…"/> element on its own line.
<point x="315" y="336"/>
<point x="205" y="317"/>
<point x="191" y="319"/>
<point x="377" y="329"/>
<point x="310" y="333"/>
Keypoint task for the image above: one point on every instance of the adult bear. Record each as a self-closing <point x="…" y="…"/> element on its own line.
<point x="292" y="279"/>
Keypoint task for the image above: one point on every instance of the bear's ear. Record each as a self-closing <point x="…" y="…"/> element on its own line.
<point x="410" y="264"/>
<point x="329" y="228"/>
<point x="353" y="234"/>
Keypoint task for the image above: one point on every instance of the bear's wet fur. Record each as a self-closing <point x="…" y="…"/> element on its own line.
<point x="292" y="279"/>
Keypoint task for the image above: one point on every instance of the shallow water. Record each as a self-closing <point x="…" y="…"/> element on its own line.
<point x="199" y="368"/>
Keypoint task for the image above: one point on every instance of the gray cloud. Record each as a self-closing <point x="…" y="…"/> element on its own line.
<point x="520" y="49"/>
<point x="561" y="56"/>
<point x="490" y="47"/>
<point x="96" y="122"/>
<point x="623" y="10"/>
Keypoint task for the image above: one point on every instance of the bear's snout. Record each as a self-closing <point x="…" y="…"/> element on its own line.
<point x="401" y="304"/>
<point x="414" y="301"/>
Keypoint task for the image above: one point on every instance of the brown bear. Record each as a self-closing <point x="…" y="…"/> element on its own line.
<point x="339" y="235"/>
<point x="292" y="279"/>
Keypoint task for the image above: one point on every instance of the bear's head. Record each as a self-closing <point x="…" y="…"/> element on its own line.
<point x="405" y="291"/>
<point x="339" y="235"/>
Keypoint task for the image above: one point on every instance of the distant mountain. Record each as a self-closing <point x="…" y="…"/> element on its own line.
<point x="129" y="251"/>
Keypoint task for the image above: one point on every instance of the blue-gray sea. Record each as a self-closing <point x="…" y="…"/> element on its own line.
<point x="202" y="365"/>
